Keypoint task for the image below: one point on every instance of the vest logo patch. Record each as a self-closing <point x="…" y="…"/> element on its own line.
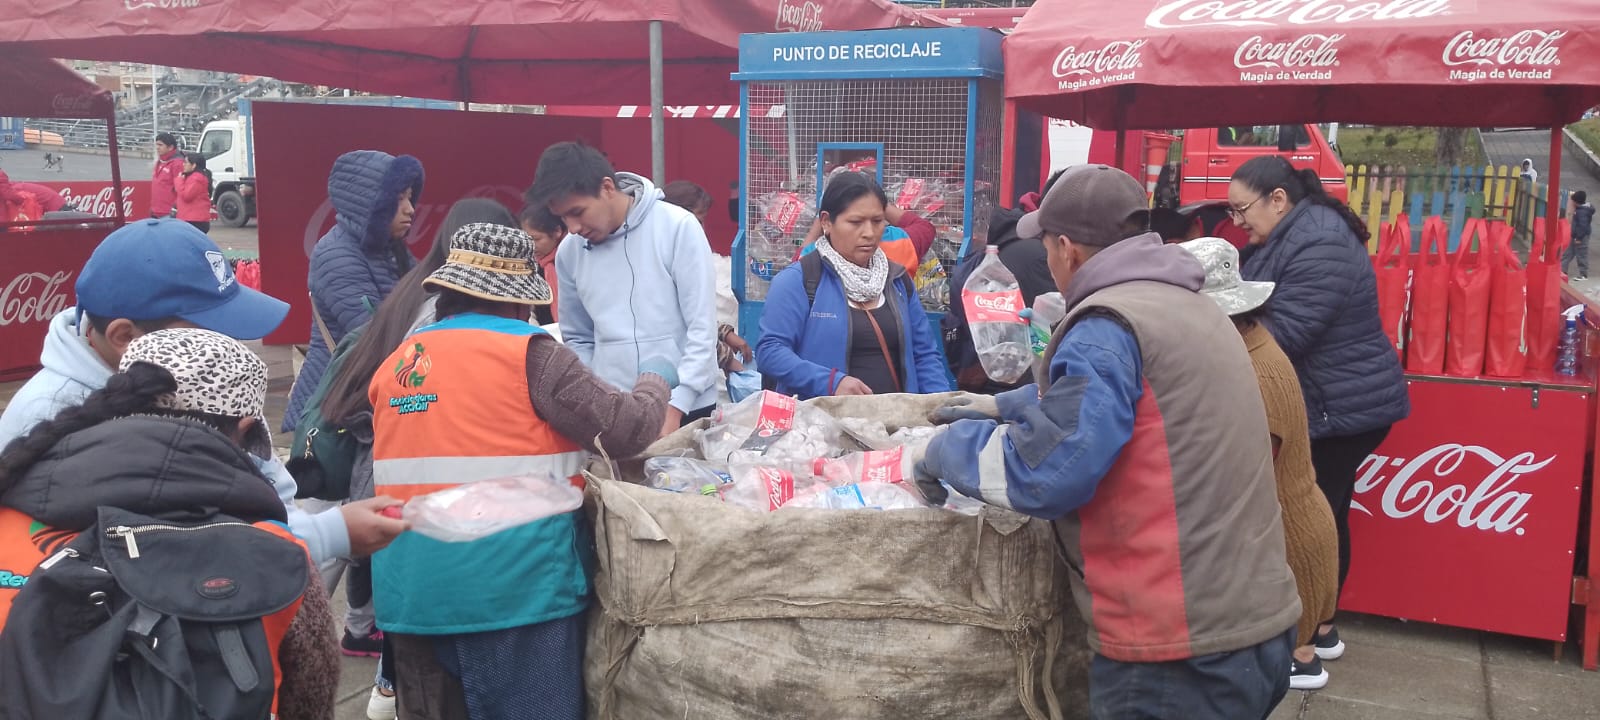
<point x="10" y="579"/>
<point x="413" y="403"/>
<point x="413" y="367"/>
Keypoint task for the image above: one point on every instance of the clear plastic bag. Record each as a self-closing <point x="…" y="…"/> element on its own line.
<point x="477" y="510"/>
<point x="685" y="475"/>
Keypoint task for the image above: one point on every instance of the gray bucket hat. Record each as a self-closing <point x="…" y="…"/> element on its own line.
<point x="1224" y="285"/>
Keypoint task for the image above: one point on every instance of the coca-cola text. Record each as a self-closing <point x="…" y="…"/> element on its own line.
<point x="33" y="297"/>
<point x="1116" y="56"/>
<point x="1314" y="50"/>
<point x="101" y="203"/>
<point x="1246" y="13"/>
<point x="1428" y="484"/>
<point x="799" y="16"/>
<point x="1530" y="47"/>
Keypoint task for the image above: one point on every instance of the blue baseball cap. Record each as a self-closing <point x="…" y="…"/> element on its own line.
<point x="155" y="269"/>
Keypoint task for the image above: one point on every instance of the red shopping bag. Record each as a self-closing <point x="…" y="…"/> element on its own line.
<point x="1544" y="299"/>
<point x="249" y="273"/>
<point x="1469" y="302"/>
<point x="1506" y="348"/>
<point x="1393" y="267"/>
<point x="1430" y="297"/>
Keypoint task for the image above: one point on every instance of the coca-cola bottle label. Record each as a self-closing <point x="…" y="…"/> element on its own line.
<point x="992" y="307"/>
<point x="775" y="419"/>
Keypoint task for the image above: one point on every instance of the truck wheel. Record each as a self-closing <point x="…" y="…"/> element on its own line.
<point x="231" y="209"/>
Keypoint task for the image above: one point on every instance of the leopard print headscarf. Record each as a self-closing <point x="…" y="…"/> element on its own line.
<point x="216" y="374"/>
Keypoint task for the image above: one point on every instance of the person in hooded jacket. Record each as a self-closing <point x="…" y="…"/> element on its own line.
<point x="1325" y="318"/>
<point x="865" y="333"/>
<point x="635" y="277"/>
<point x="357" y="263"/>
<point x="177" y="429"/>
<point x="1582" y="223"/>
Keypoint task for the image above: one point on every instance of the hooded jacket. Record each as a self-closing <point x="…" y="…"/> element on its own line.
<point x="164" y="184"/>
<point x="1149" y="449"/>
<point x="357" y="263"/>
<point x="72" y="370"/>
<point x="1324" y="314"/>
<point x="646" y="292"/>
<point x="1582" y="221"/>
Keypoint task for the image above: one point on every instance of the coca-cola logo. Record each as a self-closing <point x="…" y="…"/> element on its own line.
<point x="1530" y="48"/>
<point x="1248" y="13"/>
<point x="1481" y="497"/>
<point x="101" y="203"/>
<point x="1313" y="50"/>
<point x="1115" y="56"/>
<point x="1000" y="303"/>
<point x="33" y="297"/>
<point x="780" y="486"/>
<point x="65" y="103"/>
<point x="799" y="16"/>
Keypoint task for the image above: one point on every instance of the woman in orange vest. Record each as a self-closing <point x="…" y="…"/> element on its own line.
<point x="178" y="430"/>
<point x="482" y="394"/>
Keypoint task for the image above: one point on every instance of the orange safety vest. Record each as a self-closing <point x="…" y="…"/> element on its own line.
<point x="25" y="543"/>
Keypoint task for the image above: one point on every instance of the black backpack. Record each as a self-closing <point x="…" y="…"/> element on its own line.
<point x="811" y="270"/>
<point x="140" y="618"/>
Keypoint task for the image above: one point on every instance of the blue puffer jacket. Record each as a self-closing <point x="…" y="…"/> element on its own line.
<point x="356" y="264"/>
<point x="1324" y="313"/>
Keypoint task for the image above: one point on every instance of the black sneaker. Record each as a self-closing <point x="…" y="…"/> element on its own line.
<point x="1329" y="647"/>
<point x="369" y="646"/>
<point x="1309" y="676"/>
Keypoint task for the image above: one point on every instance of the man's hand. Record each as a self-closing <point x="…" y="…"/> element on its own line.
<point x="739" y="346"/>
<point x="370" y="528"/>
<point x="852" y="386"/>
<point x="928" y="484"/>
<point x="673" y="422"/>
<point x="965" y="406"/>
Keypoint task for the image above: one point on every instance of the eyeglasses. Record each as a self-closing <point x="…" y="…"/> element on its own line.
<point x="1237" y="213"/>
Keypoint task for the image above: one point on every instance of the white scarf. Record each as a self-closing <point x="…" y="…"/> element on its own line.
<point x="861" y="284"/>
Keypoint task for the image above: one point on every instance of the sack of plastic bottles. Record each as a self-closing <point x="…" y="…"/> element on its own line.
<point x="992" y="299"/>
<point x="769" y="427"/>
<point x="477" y="510"/>
<point x="1048" y="309"/>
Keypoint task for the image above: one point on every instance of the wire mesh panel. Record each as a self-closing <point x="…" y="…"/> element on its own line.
<point x="920" y="126"/>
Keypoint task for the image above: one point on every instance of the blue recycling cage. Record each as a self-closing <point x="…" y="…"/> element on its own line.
<point x="921" y="108"/>
<point x="11" y="134"/>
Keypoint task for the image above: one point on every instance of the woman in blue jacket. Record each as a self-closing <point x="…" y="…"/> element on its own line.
<point x="865" y="333"/>
<point x="1325" y="317"/>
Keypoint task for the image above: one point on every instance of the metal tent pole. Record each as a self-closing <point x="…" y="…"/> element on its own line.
<point x="658" y="120"/>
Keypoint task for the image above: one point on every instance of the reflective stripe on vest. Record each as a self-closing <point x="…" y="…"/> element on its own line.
<point x="406" y="478"/>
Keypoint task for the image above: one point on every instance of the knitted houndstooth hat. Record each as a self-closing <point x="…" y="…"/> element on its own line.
<point x="493" y="262"/>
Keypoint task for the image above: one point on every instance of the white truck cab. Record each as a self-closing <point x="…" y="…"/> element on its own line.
<point x="229" y="152"/>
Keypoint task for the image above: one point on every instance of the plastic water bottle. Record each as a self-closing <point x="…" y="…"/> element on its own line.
<point x="1567" y="363"/>
<point x="993" y="299"/>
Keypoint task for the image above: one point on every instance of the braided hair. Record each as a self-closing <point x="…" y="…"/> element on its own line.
<point x="131" y="392"/>
<point x="1274" y="172"/>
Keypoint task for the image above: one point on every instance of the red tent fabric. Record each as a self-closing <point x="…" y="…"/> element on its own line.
<point x="1198" y="63"/>
<point x="572" y="52"/>
<point x="34" y="86"/>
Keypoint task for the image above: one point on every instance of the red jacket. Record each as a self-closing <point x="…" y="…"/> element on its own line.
<point x="194" y="200"/>
<point x="164" y="184"/>
<point x="47" y="196"/>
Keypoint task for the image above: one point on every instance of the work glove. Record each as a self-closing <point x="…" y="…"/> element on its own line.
<point x="661" y="367"/>
<point x="924" y="478"/>
<point x="965" y="406"/>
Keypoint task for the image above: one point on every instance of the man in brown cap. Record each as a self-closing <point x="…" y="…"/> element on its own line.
<point x="1146" y="443"/>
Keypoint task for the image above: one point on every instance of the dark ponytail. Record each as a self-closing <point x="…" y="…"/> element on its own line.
<point x="126" y="393"/>
<point x="1267" y="173"/>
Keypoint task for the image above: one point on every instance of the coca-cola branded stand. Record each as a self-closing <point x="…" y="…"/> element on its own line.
<point x="1469" y="513"/>
<point x="42" y="257"/>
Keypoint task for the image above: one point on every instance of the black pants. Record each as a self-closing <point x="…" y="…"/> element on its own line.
<point x="204" y="227"/>
<point x="1336" y="460"/>
<point x="704" y="412"/>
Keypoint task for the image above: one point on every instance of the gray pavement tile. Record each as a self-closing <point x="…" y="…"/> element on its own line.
<point x="1324" y="707"/>
<point x="1406" y="675"/>
<point x="1517" y="694"/>
<point x="1526" y="654"/>
<point x="1413" y="637"/>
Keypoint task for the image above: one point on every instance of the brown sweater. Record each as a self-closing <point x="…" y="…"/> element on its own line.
<point x="309" y="658"/>
<point x="1307" y="520"/>
<point x="584" y="408"/>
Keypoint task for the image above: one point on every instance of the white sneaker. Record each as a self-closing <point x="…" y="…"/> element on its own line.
<point x="380" y="706"/>
<point x="1329" y="646"/>
<point x="1310" y="676"/>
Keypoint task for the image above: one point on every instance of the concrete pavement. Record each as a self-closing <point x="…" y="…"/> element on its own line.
<point x="28" y="166"/>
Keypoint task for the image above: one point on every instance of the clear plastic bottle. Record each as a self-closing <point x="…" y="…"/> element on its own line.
<point x="1567" y="362"/>
<point x="993" y="301"/>
<point x="685" y="475"/>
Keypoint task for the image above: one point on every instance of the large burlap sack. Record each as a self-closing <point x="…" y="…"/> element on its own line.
<point x="713" y="612"/>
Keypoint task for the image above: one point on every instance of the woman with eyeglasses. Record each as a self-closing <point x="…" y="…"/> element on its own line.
<point x="1325" y="317"/>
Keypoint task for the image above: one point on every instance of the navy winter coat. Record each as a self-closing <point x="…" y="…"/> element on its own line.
<point x="356" y="264"/>
<point x="1324" y="313"/>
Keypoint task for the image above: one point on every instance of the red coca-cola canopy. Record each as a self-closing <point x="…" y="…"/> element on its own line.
<point x="36" y="86"/>
<point x="578" y="52"/>
<point x="1197" y="63"/>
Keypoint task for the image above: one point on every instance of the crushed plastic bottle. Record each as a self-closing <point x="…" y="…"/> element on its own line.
<point x="993" y="301"/>
<point x="862" y="496"/>
<point x="766" y="488"/>
<point x="1048" y="309"/>
<point x="769" y="427"/>
<point x="685" y="475"/>
<point x="876" y="466"/>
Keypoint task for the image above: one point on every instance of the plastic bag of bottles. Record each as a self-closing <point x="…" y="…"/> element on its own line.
<point x="477" y="510"/>
<point x="1048" y="309"/>
<point x="769" y="427"/>
<point x="993" y="301"/>
<point x="933" y="285"/>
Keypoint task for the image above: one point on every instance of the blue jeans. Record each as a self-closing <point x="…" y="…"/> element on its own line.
<point x="1240" y="685"/>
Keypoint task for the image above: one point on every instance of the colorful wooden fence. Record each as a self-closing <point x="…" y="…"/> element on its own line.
<point x="1380" y="194"/>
